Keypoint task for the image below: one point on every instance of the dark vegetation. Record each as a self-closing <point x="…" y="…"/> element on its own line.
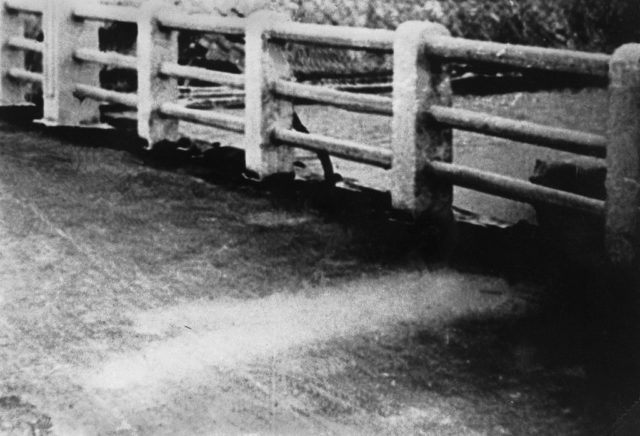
<point x="594" y="25"/>
<point x="590" y="25"/>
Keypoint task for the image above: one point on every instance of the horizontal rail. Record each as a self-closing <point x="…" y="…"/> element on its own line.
<point x="573" y="141"/>
<point x="519" y="56"/>
<point x="95" y="93"/>
<point x="25" y="44"/>
<point x="31" y="6"/>
<point x="197" y="73"/>
<point x="210" y="92"/>
<point x="215" y="102"/>
<point x="96" y="12"/>
<point x="335" y="36"/>
<point x="371" y="104"/>
<point x="24" y="75"/>
<point x="110" y="58"/>
<point x="214" y="119"/>
<point x="349" y="150"/>
<point x="514" y="189"/>
<point x="202" y="23"/>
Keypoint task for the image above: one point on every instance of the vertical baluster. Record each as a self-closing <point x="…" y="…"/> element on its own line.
<point x="265" y="63"/>
<point x="63" y="34"/>
<point x="156" y="45"/>
<point x="419" y="81"/>
<point x="11" y="24"/>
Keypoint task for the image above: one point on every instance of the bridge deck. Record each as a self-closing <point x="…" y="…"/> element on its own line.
<point x="142" y="301"/>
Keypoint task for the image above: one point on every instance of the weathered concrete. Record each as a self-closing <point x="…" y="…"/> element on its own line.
<point x="521" y="56"/>
<point x="419" y="82"/>
<point x="265" y="64"/>
<point x="63" y="35"/>
<point x="623" y="157"/>
<point x="156" y="45"/>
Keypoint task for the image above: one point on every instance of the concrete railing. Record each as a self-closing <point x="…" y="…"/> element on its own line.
<point x="420" y="158"/>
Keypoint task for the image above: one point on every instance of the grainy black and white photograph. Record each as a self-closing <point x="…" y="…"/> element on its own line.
<point x="315" y="217"/>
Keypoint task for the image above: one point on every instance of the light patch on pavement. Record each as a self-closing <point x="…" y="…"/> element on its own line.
<point x="231" y="333"/>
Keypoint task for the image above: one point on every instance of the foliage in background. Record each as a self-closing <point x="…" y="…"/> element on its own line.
<point x="604" y="24"/>
<point x="596" y="25"/>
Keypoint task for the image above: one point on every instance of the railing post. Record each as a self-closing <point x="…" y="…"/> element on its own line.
<point x="11" y="24"/>
<point x="265" y="62"/>
<point x="419" y="82"/>
<point x="63" y="35"/>
<point x="623" y="158"/>
<point x="155" y="45"/>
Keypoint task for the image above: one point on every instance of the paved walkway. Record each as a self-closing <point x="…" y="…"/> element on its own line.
<point x="135" y="301"/>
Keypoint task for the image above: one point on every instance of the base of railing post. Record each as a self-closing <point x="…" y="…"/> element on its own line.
<point x="63" y="35"/>
<point x="623" y="159"/>
<point x="418" y="83"/>
<point x="98" y="125"/>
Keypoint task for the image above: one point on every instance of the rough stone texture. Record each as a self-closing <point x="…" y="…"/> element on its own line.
<point x="574" y="238"/>
<point x="419" y="82"/>
<point x="155" y="46"/>
<point x="623" y="157"/>
<point x="63" y="35"/>
<point x="266" y="63"/>
<point x="11" y="24"/>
